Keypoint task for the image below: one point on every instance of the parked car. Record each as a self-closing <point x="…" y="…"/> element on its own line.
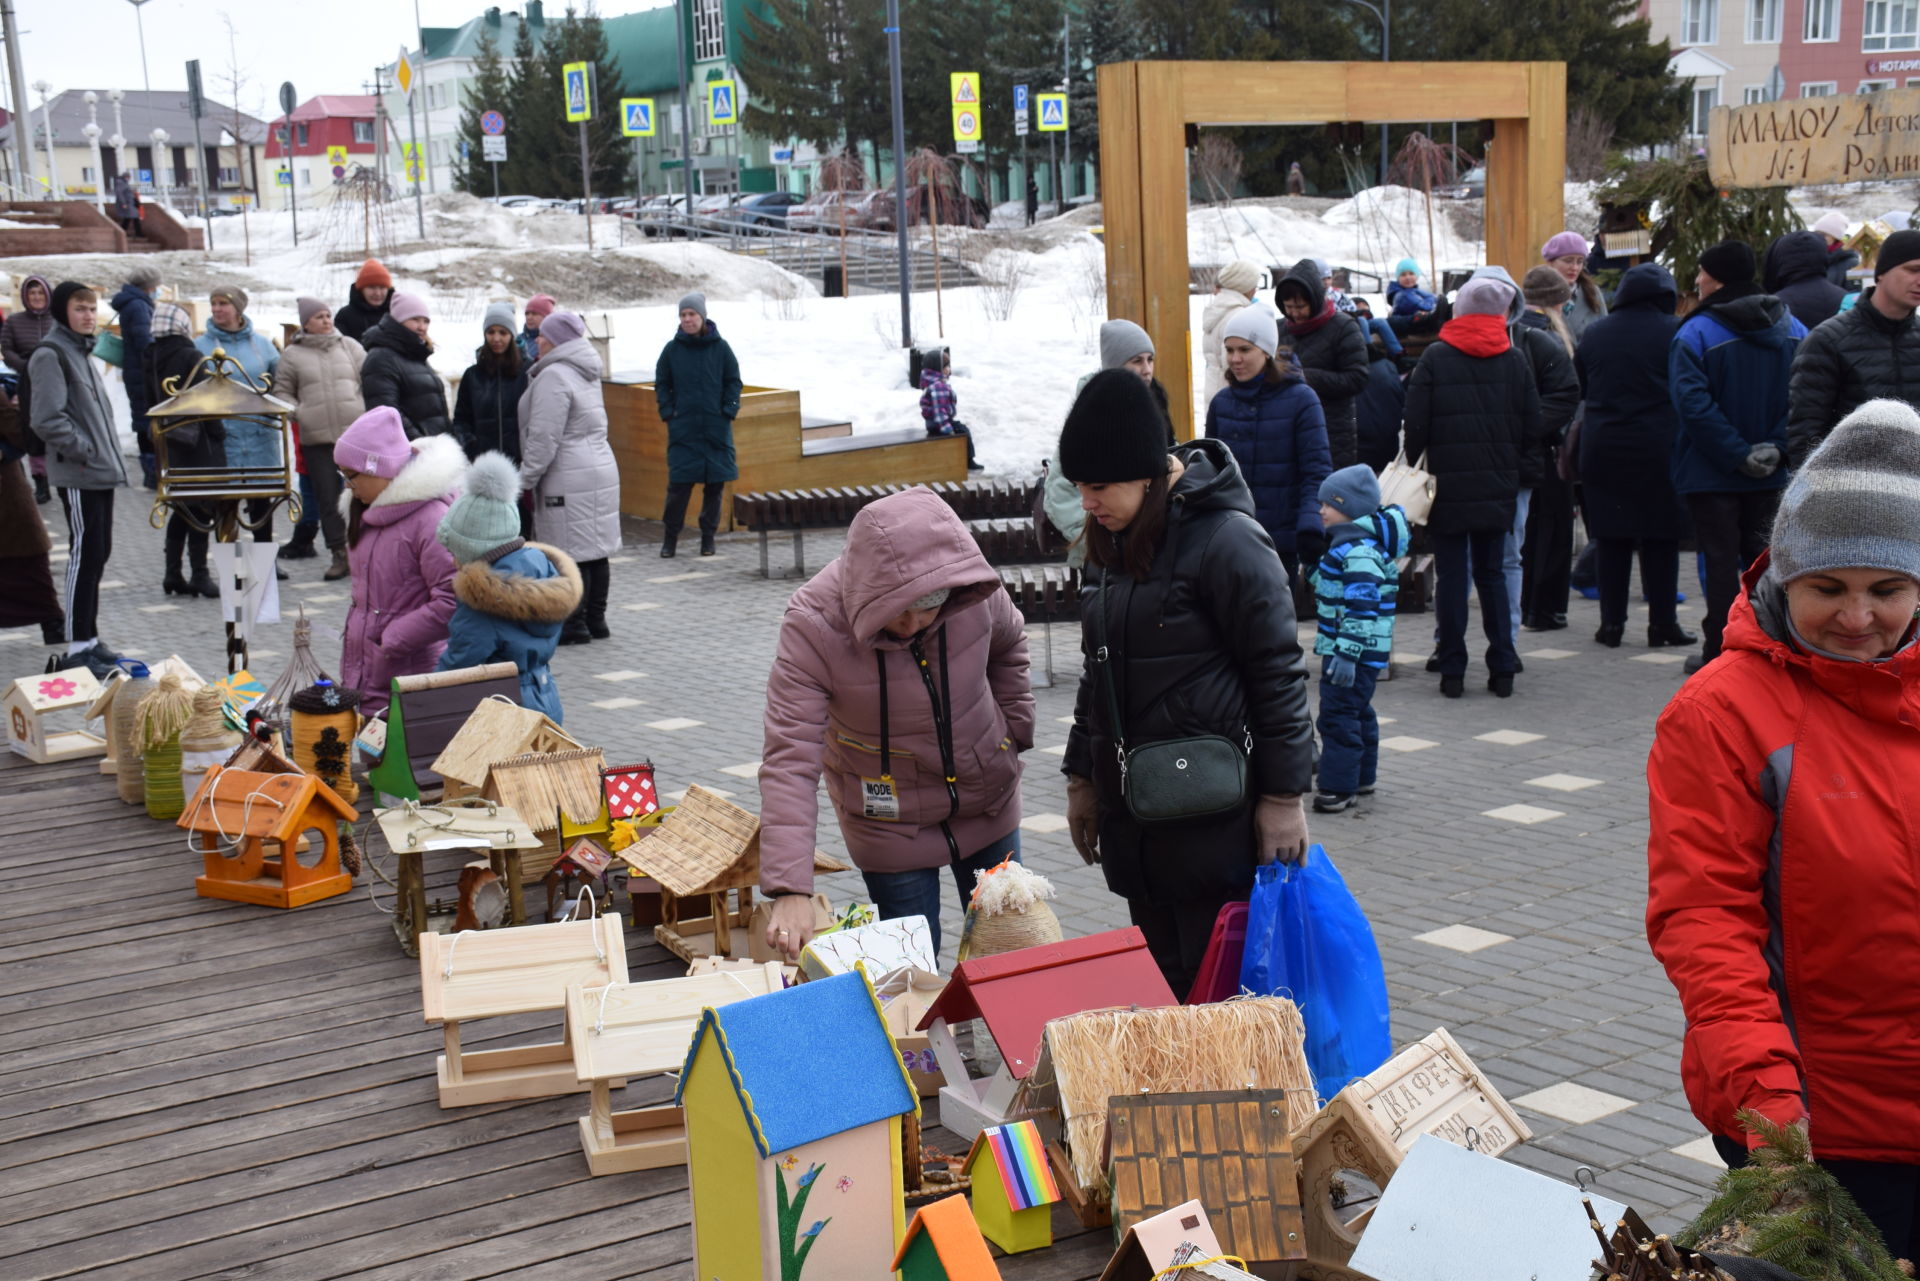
<point x="768" y="210"/>
<point x="657" y="214"/>
<point x="1472" y="185"/>
<point x="821" y="212"/>
<point x="716" y="206"/>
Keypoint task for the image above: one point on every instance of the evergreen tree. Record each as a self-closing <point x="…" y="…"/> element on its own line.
<point x="534" y="109"/>
<point x="487" y="91"/>
<point x="609" y="150"/>
<point x="787" y="55"/>
<point x="1113" y="34"/>
<point x="1024" y="48"/>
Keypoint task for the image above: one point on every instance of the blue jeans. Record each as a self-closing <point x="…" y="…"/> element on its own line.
<point x="917" y="893"/>
<point x="309" y="504"/>
<point x="1349" y="734"/>
<point x="1384" y="331"/>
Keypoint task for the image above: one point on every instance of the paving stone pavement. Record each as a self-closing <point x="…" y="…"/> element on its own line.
<point x="1502" y="861"/>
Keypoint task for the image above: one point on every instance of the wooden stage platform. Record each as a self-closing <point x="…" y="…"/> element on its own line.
<point x="197" y="1088"/>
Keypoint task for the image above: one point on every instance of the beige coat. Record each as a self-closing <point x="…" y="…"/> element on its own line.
<point x="1213" y="344"/>
<point x="319" y="375"/>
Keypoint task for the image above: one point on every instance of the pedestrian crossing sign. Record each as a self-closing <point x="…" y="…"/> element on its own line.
<point x="636" y="117"/>
<point x="966" y="88"/>
<point x="577" y="80"/>
<point x="1053" y="112"/>
<point x="723" y="103"/>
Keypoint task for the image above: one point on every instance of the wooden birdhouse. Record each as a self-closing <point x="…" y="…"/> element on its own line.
<point x="496" y="730"/>
<point x="1152" y="1245"/>
<point x="494" y="973"/>
<point x="1431" y="1087"/>
<point x="423" y="715"/>
<point x="38" y="706"/>
<point x="943" y="1243"/>
<point x="705" y="850"/>
<point x="1230" y="1148"/>
<point x="558" y="793"/>
<point x="622" y="1030"/>
<point x="1013" y="1188"/>
<point x="236" y="814"/>
<point x="1015" y="993"/>
<point x="794" y="1106"/>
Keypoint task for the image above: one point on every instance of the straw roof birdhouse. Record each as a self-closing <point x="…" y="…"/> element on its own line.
<point x="497" y="730"/>
<point x="706" y="847"/>
<point x="552" y="790"/>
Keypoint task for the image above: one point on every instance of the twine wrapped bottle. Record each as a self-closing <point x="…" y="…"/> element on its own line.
<point x="157" y="723"/>
<point x="206" y="741"/>
<point x="1009" y="912"/>
<point x="129" y="775"/>
<point x="324" y="721"/>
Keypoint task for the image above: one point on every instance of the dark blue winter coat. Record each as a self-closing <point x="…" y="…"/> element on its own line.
<point x="511" y="611"/>
<point x="1728" y="370"/>
<point x="1278" y="435"/>
<point x="134" y="307"/>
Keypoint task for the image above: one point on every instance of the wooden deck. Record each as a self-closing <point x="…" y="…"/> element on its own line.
<point x="196" y="1088"/>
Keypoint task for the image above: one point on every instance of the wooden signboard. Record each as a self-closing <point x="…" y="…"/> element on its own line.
<point x="643" y="1029"/>
<point x="515" y="971"/>
<point x="1860" y="137"/>
<point x="1431" y="1087"/>
<point x="1230" y="1150"/>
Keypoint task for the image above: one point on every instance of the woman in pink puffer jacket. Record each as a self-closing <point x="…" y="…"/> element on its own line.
<point x="906" y="650"/>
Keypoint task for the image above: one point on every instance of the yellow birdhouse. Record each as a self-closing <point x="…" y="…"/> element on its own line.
<point x="1013" y="1187"/>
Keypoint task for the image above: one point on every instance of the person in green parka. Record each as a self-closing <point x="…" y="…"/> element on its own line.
<point x="697" y="387"/>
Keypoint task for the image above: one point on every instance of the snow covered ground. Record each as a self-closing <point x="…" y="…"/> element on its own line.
<point x="1020" y="342"/>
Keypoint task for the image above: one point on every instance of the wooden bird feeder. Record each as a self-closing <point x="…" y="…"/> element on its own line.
<point x="236" y="814"/>
<point x="34" y="702"/>
<point x="493" y="973"/>
<point x="412" y="831"/>
<point x="706" y="848"/>
<point x="1431" y="1087"/>
<point x="643" y="1029"/>
<point x="496" y="730"/>
<point x="424" y="714"/>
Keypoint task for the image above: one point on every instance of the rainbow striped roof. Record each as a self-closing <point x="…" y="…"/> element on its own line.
<point x="1020" y="1159"/>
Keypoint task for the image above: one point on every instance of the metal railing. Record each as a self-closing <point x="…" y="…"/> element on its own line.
<point x="870" y="258"/>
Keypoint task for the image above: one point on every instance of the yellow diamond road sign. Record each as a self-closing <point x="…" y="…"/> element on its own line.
<point x="403" y="74"/>
<point x="966" y="88"/>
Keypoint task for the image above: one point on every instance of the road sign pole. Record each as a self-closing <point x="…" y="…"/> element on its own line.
<point x="293" y="187"/>
<point x="586" y="184"/>
<point x="413" y="135"/>
<point x="899" y="176"/>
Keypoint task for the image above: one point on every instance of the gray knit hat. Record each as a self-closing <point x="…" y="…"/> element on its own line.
<point x="501" y="314"/>
<point x="1121" y="341"/>
<point x="1254" y="324"/>
<point x="1855" y="502"/>
<point x="694" y="302"/>
<point x="487" y="515"/>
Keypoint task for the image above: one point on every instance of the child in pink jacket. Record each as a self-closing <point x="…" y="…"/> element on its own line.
<point x="397" y="491"/>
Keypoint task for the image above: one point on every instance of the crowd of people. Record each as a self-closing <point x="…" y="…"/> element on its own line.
<point x="408" y="495"/>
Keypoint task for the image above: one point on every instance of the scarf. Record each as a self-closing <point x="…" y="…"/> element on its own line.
<point x="1480" y="336"/>
<point x="1313" y="323"/>
<point x="1726" y="294"/>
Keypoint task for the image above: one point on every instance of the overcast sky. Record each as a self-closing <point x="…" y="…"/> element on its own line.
<point x="323" y="46"/>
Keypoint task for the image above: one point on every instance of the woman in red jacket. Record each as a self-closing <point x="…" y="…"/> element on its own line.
<point x="1784" y="856"/>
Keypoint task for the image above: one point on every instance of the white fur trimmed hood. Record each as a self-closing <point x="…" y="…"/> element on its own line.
<point x="435" y="471"/>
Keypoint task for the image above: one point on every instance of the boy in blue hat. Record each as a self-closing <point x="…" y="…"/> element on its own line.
<point x="1355" y="587"/>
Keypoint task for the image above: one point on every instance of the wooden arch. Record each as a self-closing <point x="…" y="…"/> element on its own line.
<point x="1145" y="108"/>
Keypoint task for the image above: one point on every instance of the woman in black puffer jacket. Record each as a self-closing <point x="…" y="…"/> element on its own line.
<point x="1330" y="347"/>
<point x="397" y="374"/>
<point x="1200" y="633"/>
<point x="486" y="412"/>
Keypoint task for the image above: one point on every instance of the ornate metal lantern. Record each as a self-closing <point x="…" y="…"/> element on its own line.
<point x="222" y="498"/>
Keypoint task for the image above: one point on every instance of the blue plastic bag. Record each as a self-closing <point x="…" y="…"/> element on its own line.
<point x="1308" y="939"/>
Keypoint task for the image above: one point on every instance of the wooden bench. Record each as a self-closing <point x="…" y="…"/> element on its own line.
<point x="1044" y="594"/>
<point x="795" y="511"/>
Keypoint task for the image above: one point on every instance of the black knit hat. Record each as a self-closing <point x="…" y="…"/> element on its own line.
<point x="1901" y="246"/>
<point x="63" y="294"/>
<point x="1730" y="262"/>
<point x="1114" y="431"/>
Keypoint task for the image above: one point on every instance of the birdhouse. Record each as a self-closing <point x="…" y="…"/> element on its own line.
<point x="1231" y="1148"/>
<point x="558" y="793"/>
<point x="1431" y="1087"/>
<point x="943" y="1243"/>
<point x="1015" y="993"/>
<point x="794" y="1105"/>
<point x="414" y="831"/>
<point x="495" y="973"/>
<point x="423" y="715"/>
<point x="495" y="730"/>
<point x="236" y="814"/>
<point x="643" y="1029"/>
<point x="38" y="705"/>
<point x="705" y="849"/>
<point x="1156" y="1243"/>
<point x="883" y="947"/>
<point x="1013" y="1189"/>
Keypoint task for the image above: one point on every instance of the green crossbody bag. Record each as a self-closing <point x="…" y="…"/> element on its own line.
<point x="1176" y="780"/>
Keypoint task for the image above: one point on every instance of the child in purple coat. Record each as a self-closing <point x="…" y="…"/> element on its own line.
<point x="397" y="491"/>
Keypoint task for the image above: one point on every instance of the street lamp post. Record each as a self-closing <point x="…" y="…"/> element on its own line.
<point x="91" y="132"/>
<point x="45" y="90"/>
<point x="160" y="140"/>
<point x="1384" y="12"/>
<point x="141" y="22"/>
<point x="118" y="139"/>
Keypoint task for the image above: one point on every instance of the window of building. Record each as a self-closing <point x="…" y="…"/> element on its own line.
<point x="1890" y="24"/>
<point x="229" y="176"/>
<point x="1754" y="93"/>
<point x="306" y="177"/>
<point x="1699" y="21"/>
<point x="1822" y="22"/>
<point x="1763" y="21"/>
<point x="1875" y="86"/>
<point x="709" y="30"/>
<point x="363" y="131"/>
<point x="1704" y="101"/>
<point x="1819" y="89"/>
